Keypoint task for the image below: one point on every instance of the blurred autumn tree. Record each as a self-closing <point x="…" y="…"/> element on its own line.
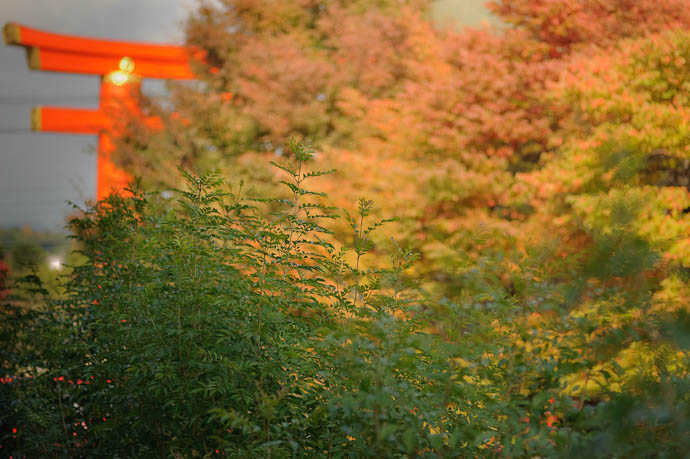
<point x="541" y="171"/>
<point x="567" y="129"/>
<point x="450" y="120"/>
<point x="277" y="70"/>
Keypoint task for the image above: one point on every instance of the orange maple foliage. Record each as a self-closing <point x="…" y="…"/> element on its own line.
<point x="455" y="132"/>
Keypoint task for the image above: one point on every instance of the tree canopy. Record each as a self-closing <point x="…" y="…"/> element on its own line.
<point x="498" y="268"/>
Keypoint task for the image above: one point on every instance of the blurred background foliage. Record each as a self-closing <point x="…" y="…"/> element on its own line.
<point x="537" y="170"/>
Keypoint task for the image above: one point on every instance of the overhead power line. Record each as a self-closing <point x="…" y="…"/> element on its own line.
<point x="15" y="130"/>
<point x="26" y="100"/>
<point x="29" y="99"/>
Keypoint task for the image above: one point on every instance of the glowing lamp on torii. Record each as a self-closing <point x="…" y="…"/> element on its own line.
<point x="121" y="66"/>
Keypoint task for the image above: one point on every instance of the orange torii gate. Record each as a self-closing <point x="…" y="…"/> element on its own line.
<point x="121" y="66"/>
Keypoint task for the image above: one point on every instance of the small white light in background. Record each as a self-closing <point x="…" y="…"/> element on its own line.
<point x="167" y="194"/>
<point x="119" y="78"/>
<point x="55" y="263"/>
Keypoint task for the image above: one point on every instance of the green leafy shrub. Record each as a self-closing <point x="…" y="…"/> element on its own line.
<point x="208" y="325"/>
<point x="230" y="325"/>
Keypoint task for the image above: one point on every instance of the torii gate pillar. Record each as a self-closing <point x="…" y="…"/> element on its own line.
<point x="120" y="90"/>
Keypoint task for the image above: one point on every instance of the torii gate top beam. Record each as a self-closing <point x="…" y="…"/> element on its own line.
<point x="67" y="53"/>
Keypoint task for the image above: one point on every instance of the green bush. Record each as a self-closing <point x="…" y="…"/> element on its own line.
<point x="206" y="325"/>
<point x="222" y="324"/>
